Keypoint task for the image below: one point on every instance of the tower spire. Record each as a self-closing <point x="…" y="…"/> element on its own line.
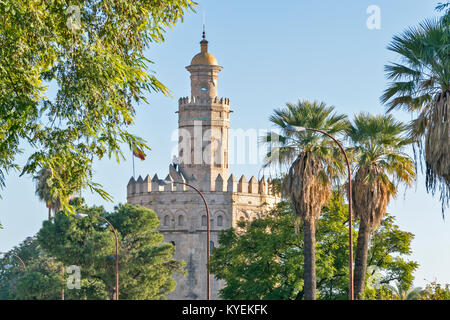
<point x="204" y="23"/>
<point x="204" y="42"/>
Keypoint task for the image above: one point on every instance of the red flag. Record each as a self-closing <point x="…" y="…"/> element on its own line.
<point x="139" y="153"/>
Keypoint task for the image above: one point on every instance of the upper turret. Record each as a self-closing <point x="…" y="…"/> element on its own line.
<point x="204" y="57"/>
<point x="204" y="70"/>
<point x="203" y="123"/>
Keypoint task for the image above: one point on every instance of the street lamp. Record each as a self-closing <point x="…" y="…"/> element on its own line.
<point x="349" y="190"/>
<point x="83" y="215"/>
<point x="208" y="289"/>
<point x="8" y="266"/>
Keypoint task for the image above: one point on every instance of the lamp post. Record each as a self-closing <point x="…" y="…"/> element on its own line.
<point x="208" y="289"/>
<point x="83" y="215"/>
<point x="349" y="190"/>
<point x="8" y="266"/>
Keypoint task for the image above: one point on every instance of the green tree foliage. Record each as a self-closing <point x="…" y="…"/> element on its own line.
<point x="47" y="192"/>
<point x="38" y="281"/>
<point x="146" y="264"/>
<point x="43" y="280"/>
<point x="393" y="292"/>
<point x="92" y="52"/>
<point x="263" y="259"/>
<point x="436" y="291"/>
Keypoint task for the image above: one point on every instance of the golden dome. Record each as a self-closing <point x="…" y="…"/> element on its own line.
<point x="204" y="57"/>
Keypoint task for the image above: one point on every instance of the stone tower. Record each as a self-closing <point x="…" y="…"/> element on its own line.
<point x="203" y="121"/>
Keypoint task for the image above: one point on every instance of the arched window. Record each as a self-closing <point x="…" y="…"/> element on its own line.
<point x="181" y="220"/>
<point x="166" y="221"/>
<point x="204" y="221"/>
<point x="219" y="221"/>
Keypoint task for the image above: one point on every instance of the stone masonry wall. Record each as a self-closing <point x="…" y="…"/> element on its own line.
<point x="182" y="218"/>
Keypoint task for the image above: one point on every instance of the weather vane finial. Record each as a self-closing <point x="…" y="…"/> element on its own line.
<point x="204" y="23"/>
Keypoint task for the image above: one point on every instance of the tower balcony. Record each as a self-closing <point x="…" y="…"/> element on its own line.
<point x="191" y="101"/>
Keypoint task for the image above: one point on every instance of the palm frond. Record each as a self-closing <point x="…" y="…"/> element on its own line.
<point x="313" y="159"/>
<point x="378" y="143"/>
<point x="421" y="83"/>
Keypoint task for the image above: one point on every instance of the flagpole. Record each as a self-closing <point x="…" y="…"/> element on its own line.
<point x="132" y="156"/>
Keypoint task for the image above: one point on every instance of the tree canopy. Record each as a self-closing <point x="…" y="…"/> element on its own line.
<point x="263" y="259"/>
<point x="436" y="291"/>
<point x="146" y="264"/>
<point x="92" y="53"/>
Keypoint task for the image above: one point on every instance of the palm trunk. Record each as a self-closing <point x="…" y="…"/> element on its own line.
<point x="309" y="259"/>
<point x="49" y="212"/>
<point x="362" y="248"/>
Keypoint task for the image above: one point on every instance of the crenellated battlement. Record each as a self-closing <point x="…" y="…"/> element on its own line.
<point x="243" y="185"/>
<point x="186" y="101"/>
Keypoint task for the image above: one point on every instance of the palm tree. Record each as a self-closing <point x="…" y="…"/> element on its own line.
<point x="443" y="6"/>
<point x="381" y="164"/>
<point x="400" y="293"/>
<point x="45" y="192"/>
<point x="50" y="190"/>
<point x="421" y="85"/>
<point x="313" y="160"/>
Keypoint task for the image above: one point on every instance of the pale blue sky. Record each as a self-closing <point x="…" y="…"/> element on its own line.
<point x="272" y="53"/>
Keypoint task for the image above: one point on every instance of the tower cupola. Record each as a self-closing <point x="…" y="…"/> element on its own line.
<point x="204" y="57"/>
<point x="204" y="71"/>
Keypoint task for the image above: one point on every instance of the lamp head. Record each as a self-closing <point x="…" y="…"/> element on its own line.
<point x="294" y="128"/>
<point x="81" y="215"/>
